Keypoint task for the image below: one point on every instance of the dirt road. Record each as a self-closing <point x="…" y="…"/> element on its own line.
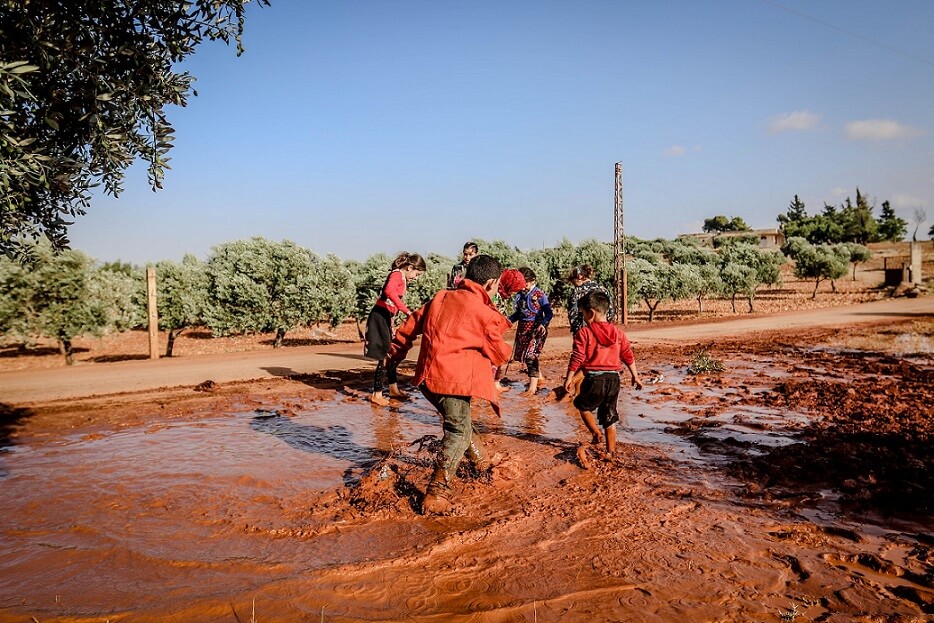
<point x="24" y="387"/>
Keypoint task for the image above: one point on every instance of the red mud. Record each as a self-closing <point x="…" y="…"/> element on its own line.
<point x="796" y="485"/>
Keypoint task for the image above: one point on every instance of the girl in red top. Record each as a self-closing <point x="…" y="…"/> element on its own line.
<point x="405" y="268"/>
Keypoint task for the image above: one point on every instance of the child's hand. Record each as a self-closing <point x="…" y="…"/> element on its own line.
<point x="540" y="330"/>
<point x="637" y="382"/>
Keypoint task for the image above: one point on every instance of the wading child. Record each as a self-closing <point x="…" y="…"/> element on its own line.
<point x="533" y="313"/>
<point x="510" y="283"/>
<point x="405" y="268"/>
<point x="462" y="336"/>
<point x="581" y="280"/>
<point x="600" y="350"/>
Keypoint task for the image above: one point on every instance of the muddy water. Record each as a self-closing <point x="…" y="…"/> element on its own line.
<point x="234" y="515"/>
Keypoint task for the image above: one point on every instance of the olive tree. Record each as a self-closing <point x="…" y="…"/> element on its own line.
<point x="52" y="297"/>
<point x="858" y="254"/>
<point x="336" y="291"/>
<point x="822" y="262"/>
<point x="121" y="291"/>
<point x="739" y="279"/>
<point x="181" y="295"/>
<point x="260" y="286"/>
<point x="654" y="283"/>
<point x="705" y="282"/>
<point x="84" y="88"/>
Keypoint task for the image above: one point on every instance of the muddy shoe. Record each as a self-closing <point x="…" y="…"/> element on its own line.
<point x="436" y="504"/>
<point x="437" y="500"/>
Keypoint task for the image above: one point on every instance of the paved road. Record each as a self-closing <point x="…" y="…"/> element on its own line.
<point x="23" y="387"/>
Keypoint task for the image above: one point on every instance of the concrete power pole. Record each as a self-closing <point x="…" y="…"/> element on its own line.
<point x="619" y="249"/>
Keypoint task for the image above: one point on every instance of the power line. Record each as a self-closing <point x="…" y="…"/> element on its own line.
<point x="851" y="33"/>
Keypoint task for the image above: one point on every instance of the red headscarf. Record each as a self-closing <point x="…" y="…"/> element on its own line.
<point x="511" y="282"/>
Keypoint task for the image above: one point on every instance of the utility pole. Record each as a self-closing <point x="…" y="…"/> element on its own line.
<point x="619" y="250"/>
<point x="153" y="313"/>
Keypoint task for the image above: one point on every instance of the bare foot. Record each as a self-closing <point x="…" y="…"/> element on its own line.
<point x="502" y="388"/>
<point x="582" y="457"/>
<point x="558" y="393"/>
<point x="399" y="395"/>
<point x="377" y="398"/>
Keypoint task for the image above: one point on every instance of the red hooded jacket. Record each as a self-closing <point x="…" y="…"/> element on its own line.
<point x="600" y="346"/>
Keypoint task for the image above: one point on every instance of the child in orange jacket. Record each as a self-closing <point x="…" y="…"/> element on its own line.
<point x="462" y="336"/>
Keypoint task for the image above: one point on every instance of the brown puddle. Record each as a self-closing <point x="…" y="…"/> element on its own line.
<point x="720" y="506"/>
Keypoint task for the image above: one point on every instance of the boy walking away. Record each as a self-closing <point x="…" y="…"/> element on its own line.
<point x="533" y="313"/>
<point x="462" y="336"/>
<point x="600" y="350"/>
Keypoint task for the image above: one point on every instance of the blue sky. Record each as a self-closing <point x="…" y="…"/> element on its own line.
<point x="363" y="126"/>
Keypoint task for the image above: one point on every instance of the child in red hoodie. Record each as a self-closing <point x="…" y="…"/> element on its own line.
<point x="600" y="351"/>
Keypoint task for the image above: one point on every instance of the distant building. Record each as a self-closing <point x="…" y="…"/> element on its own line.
<point x="768" y="238"/>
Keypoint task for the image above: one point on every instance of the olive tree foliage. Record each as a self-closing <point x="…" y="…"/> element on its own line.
<point x="181" y="296"/>
<point x="687" y="251"/>
<point x="858" y="254"/>
<point x="654" y="283"/>
<point x="598" y="255"/>
<point x="767" y="263"/>
<point x="337" y="290"/>
<point x="706" y="283"/>
<point x="739" y="279"/>
<point x="121" y="290"/>
<point x="84" y="88"/>
<point x="818" y="262"/>
<point x="261" y="286"/>
<point x="53" y="297"/>
<point x="368" y="278"/>
<point x="433" y="279"/>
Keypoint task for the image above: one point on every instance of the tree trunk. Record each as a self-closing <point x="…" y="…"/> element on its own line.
<point x="652" y="308"/>
<point x="749" y="299"/>
<point x="733" y="302"/>
<point x="854" y="271"/>
<point x="359" y="330"/>
<point x="833" y="285"/>
<point x="280" y="335"/>
<point x="173" y="333"/>
<point x="816" y="283"/>
<point x="64" y="346"/>
<point x="700" y="304"/>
